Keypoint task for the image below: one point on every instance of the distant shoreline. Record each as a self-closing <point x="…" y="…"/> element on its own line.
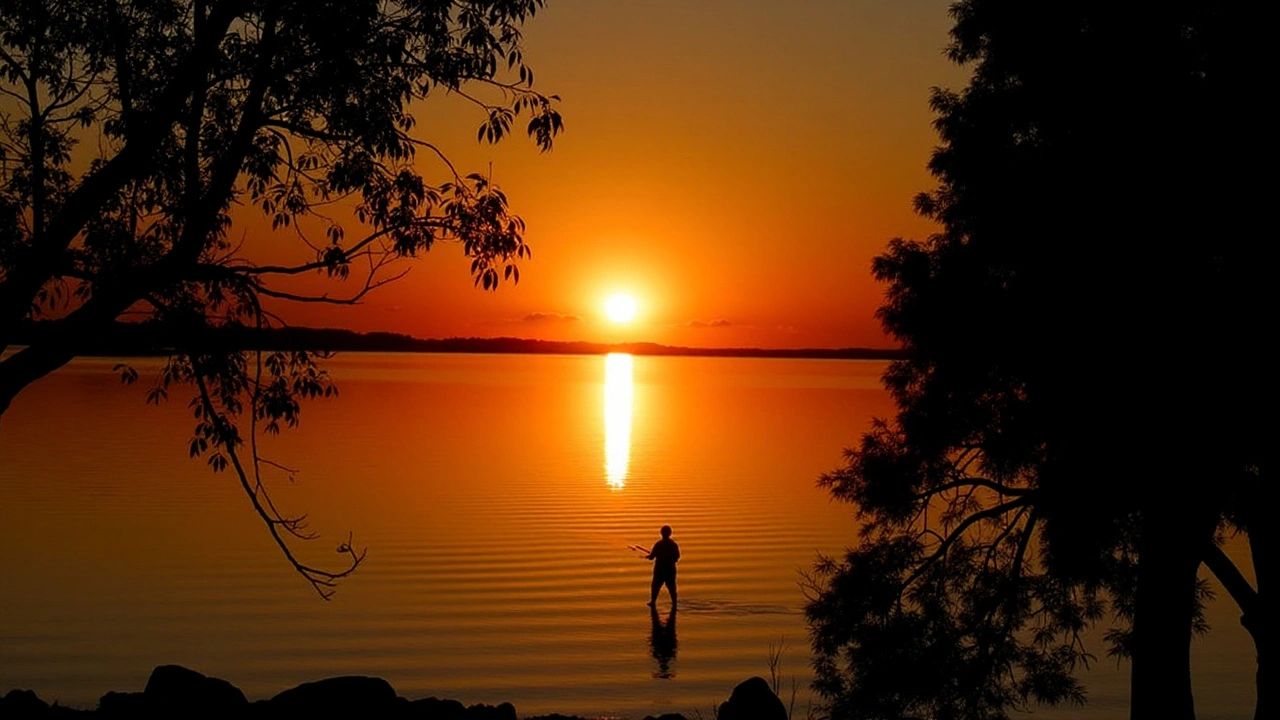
<point x="142" y="339"/>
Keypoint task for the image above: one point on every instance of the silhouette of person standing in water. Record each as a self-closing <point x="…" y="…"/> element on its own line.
<point x="664" y="555"/>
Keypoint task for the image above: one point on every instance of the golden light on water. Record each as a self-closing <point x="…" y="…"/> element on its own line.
<point x="617" y="417"/>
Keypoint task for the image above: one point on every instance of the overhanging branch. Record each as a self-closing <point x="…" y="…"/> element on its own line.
<point x="958" y="532"/>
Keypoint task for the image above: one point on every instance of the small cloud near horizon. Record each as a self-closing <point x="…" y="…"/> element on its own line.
<point x="716" y="323"/>
<point x="542" y="317"/>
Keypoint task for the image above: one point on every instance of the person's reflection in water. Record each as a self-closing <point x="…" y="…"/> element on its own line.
<point x="662" y="642"/>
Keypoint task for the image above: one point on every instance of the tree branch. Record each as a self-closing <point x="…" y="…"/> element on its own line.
<point x="975" y="482"/>
<point x="1232" y="579"/>
<point x="322" y="581"/>
<point x="353" y="300"/>
<point x="959" y="530"/>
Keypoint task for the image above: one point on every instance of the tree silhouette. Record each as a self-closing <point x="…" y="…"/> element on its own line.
<point x="1086" y="405"/>
<point x="131" y="133"/>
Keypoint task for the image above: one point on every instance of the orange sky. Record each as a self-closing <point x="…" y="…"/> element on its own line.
<point x="733" y="164"/>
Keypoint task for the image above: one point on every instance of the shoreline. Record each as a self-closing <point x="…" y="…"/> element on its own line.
<point x="177" y="691"/>
<point x="150" y="339"/>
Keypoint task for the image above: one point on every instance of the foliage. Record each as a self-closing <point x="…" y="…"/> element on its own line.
<point x="1083" y="339"/>
<point x="133" y="132"/>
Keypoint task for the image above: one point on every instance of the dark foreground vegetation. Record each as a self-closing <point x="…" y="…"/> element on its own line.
<point x="174" y="691"/>
<point x="1094" y="190"/>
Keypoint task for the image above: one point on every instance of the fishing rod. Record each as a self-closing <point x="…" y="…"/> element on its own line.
<point x="637" y="548"/>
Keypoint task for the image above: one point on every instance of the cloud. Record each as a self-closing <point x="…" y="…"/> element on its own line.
<point x="716" y="323"/>
<point x="549" y="317"/>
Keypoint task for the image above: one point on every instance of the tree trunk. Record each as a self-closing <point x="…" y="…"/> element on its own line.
<point x="1261" y="623"/>
<point x="1168" y="560"/>
<point x="1253" y="615"/>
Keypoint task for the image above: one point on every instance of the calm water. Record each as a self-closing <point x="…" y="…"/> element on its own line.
<point x="497" y="496"/>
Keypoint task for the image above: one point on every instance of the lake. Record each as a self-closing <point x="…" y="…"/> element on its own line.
<point x="497" y="495"/>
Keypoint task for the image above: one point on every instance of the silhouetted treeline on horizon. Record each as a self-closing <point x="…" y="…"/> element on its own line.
<point x="153" y="338"/>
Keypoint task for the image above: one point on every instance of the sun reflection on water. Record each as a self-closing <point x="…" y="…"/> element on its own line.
<point x="617" y="418"/>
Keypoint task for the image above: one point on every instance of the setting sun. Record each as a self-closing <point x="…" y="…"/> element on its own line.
<point x="621" y="308"/>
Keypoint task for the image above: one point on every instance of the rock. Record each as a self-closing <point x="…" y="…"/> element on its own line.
<point x="436" y="709"/>
<point x="666" y="716"/>
<point x="124" y="705"/>
<point x="752" y="700"/>
<point x="505" y="711"/>
<point x="354" y="695"/>
<point x="558" y="716"/>
<point x="173" y="689"/>
<point x="18" y="704"/>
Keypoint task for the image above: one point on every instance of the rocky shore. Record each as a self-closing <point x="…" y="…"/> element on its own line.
<point x="174" y="691"/>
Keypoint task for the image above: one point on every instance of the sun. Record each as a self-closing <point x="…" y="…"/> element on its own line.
<point x="621" y="308"/>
